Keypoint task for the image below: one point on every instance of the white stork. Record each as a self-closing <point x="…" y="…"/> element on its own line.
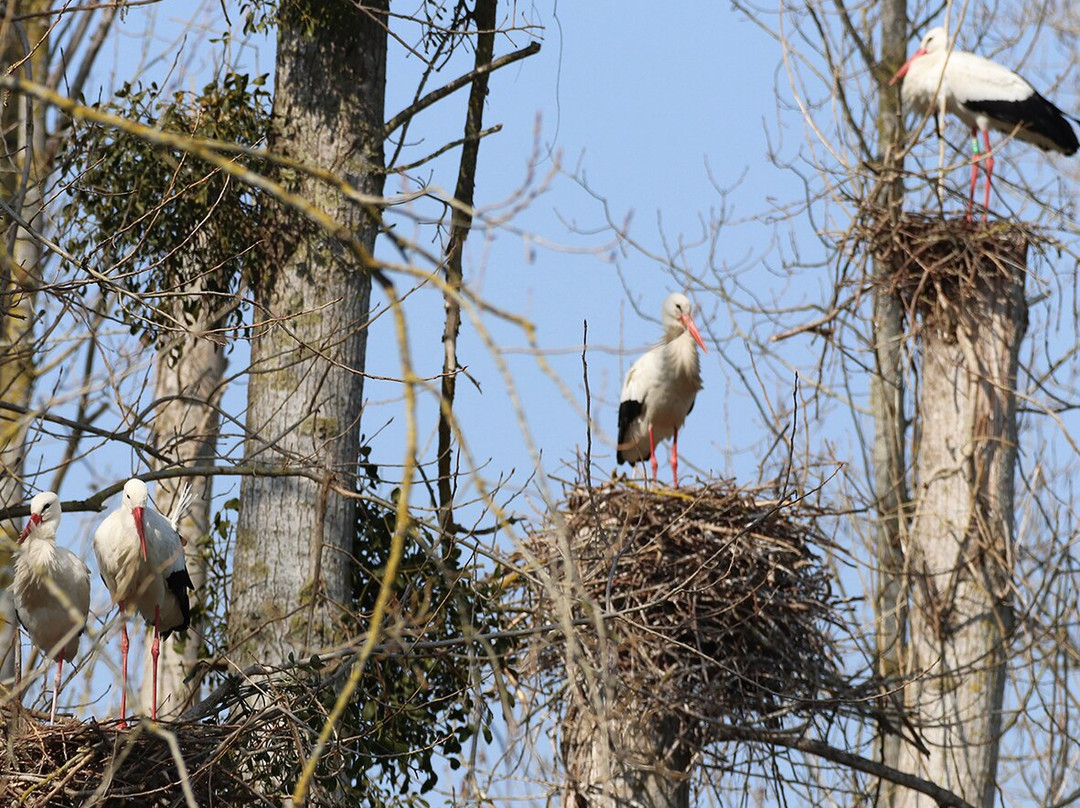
<point x="984" y="95"/>
<point x="140" y="554"/>
<point x="659" y="390"/>
<point x="51" y="587"/>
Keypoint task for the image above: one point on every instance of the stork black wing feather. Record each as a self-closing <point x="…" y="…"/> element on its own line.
<point x="629" y="411"/>
<point x="1036" y="114"/>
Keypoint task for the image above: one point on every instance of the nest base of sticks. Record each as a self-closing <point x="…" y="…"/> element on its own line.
<point x="75" y="763"/>
<point x="939" y="266"/>
<point x="693" y="607"/>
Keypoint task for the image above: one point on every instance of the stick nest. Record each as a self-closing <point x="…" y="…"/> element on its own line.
<point x="72" y="763"/>
<point x="254" y="759"/>
<point x="715" y="602"/>
<point x="937" y="265"/>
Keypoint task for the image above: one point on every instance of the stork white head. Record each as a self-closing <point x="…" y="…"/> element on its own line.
<point x="136" y="495"/>
<point x="936" y="39"/>
<point x="44" y="516"/>
<point x="677" y="319"/>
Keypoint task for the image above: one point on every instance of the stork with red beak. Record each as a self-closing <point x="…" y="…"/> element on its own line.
<point x="140" y="554"/>
<point x="660" y="387"/>
<point x="51" y="587"/>
<point x="984" y="95"/>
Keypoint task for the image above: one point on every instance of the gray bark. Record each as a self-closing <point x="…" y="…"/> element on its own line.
<point x="961" y="536"/>
<point x="292" y="574"/>
<point x="623" y="756"/>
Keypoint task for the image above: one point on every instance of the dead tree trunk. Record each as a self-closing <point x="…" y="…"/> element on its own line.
<point x="959" y="552"/>
<point x="461" y="224"/>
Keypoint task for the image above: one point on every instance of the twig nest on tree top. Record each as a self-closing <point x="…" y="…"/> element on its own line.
<point x="707" y="601"/>
<point x="938" y="265"/>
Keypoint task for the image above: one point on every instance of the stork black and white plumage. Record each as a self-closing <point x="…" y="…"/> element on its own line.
<point x="659" y="390"/>
<point x="51" y="587"/>
<point x="141" y="557"/>
<point x="984" y="95"/>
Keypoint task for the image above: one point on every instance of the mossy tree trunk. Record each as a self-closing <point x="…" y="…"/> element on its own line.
<point x="959" y="550"/>
<point x="293" y="563"/>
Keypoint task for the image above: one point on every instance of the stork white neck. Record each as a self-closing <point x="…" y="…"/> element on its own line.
<point x="682" y="355"/>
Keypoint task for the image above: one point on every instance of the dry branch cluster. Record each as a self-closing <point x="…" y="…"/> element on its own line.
<point x="939" y="264"/>
<point x="714" y="602"/>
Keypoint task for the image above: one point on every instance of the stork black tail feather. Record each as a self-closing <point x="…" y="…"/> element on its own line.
<point x="629" y="410"/>
<point x="179" y="583"/>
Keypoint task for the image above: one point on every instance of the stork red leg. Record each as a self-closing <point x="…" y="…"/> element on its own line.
<point x="155" y="650"/>
<point x="18" y="660"/>
<point x="988" y="167"/>
<point x="974" y="170"/>
<point x="652" y="452"/>
<point x="125" y="643"/>
<point x="56" y="687"/>
<point x="675" y="458"/>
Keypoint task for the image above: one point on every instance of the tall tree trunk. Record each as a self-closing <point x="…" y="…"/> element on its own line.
<point x="887" y="396"/>
<point x="188" y="382"/>
<point x="962" y="529"/>
<point x="293" y="567"/>
<point x="20" y="255"/>
<point x="628" y="757"/>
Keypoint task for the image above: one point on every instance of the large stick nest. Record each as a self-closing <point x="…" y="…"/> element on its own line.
<point x="938" y="265"/>
<point x="714" y="601"/>
<point x="252" y="760"/>
<point x="72" y="763"/>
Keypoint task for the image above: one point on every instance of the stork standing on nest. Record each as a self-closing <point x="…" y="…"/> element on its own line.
<point x="141" y="557"/>
<point x="985" y="96"/>
<point x="51" y="587"/>
<point x="660" y="387"/>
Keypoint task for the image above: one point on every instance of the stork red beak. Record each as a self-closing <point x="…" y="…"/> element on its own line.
<point x="688" y="324"/>
<point x="906" y="66"/>
<point x="35" y="519"/>
<point x="138" y="514"/>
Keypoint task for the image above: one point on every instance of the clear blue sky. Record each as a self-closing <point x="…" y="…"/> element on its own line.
<point x="641" y="112"/>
